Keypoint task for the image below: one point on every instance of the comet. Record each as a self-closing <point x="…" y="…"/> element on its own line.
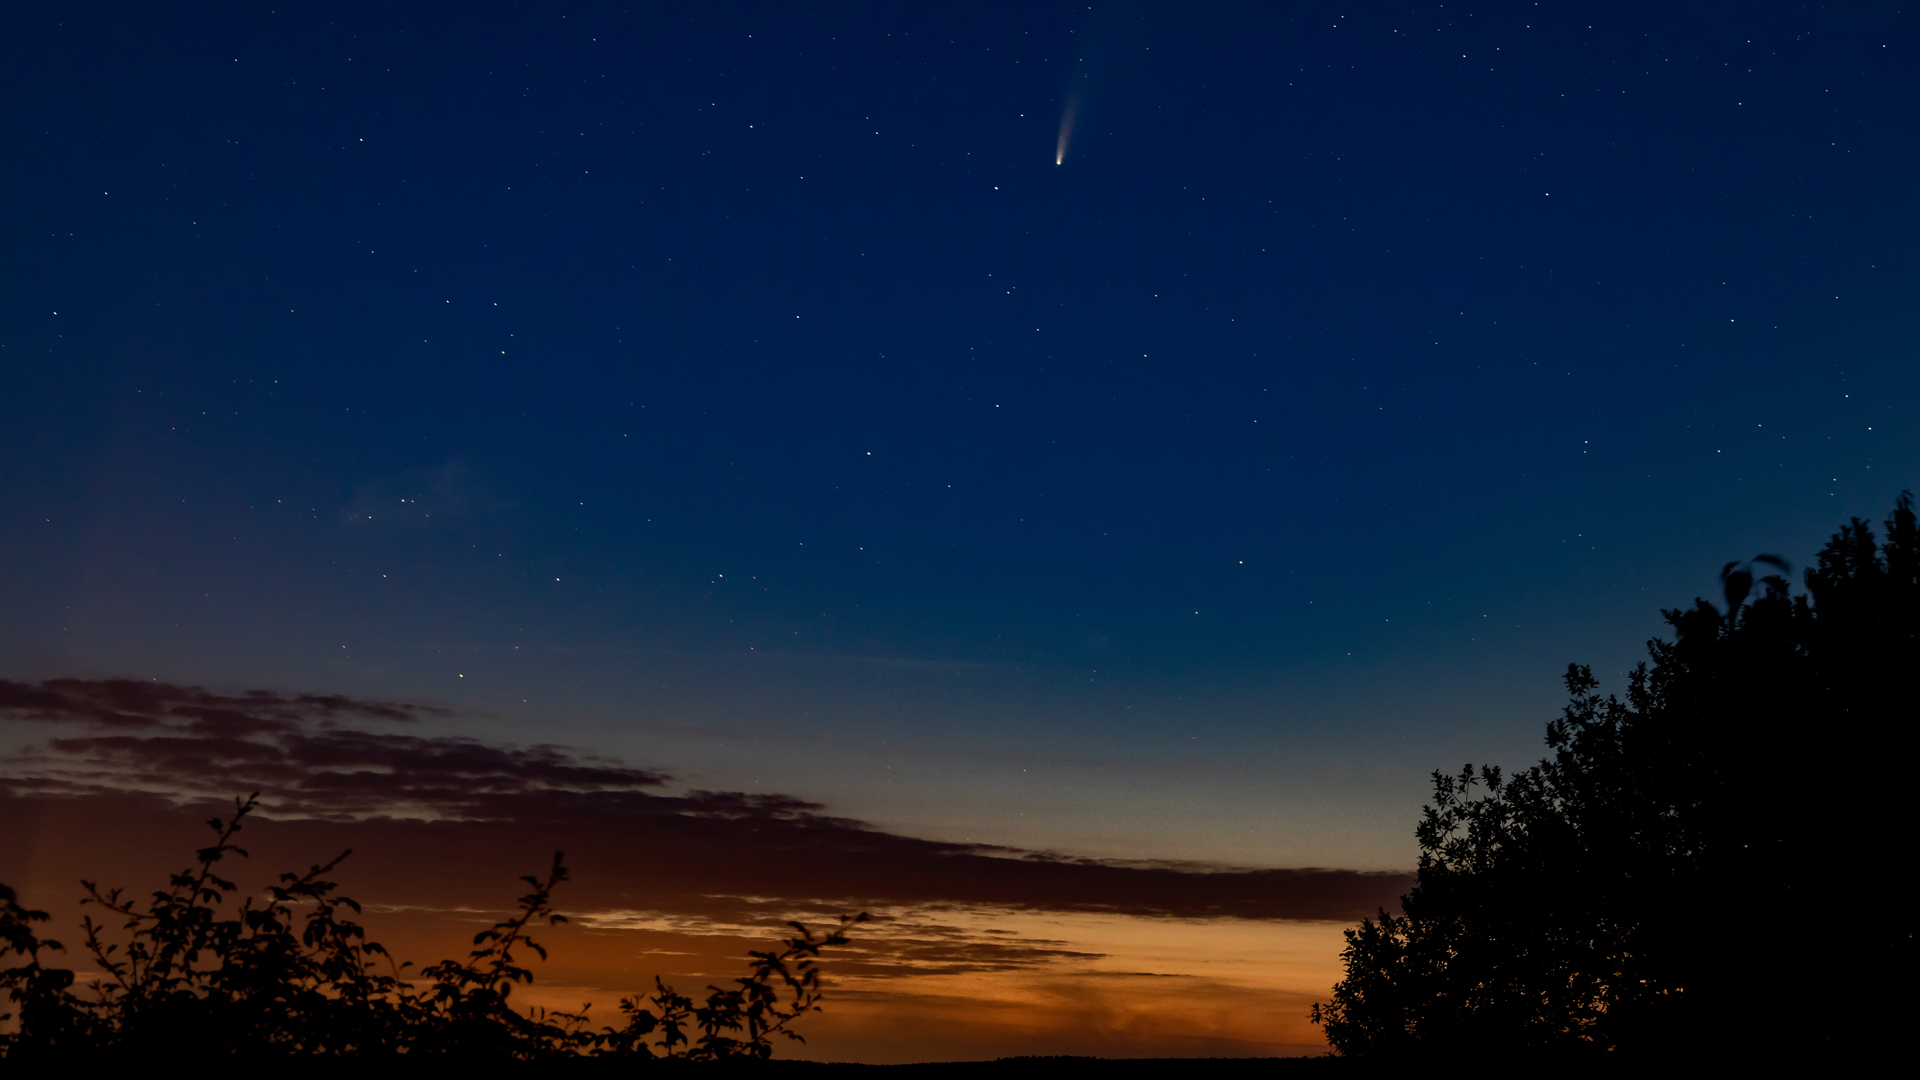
<point x="1066" y="131"/>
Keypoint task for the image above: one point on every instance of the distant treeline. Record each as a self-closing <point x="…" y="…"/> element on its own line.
<point x="292" y="975"/>
<point x="1701" y="869"/>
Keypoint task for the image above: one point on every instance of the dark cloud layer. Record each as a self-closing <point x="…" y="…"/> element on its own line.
<point x="441" y="814"/>
<point x="131" y="703"/>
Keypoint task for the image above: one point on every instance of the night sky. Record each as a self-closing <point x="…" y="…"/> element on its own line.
<point x="1136" y="432"/>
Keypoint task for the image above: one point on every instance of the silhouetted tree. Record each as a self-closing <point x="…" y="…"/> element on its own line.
<point x="1692" y="869"/>
<point x="291" y="974"/>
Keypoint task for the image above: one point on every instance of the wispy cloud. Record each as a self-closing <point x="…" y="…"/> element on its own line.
<point x="423" y="497"/>
<point x="354" y="767"/>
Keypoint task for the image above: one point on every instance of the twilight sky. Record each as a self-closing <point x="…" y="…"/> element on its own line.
<point x="1150" y="433"/>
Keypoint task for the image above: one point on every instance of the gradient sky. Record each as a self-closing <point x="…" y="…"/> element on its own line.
<point x="744" y="394"/>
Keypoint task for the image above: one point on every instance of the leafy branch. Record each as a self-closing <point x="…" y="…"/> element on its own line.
<point x="293" y="973"/>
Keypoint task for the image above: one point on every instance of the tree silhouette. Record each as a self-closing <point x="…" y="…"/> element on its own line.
<point x="1671" y="879"/>
<point x="292" y="974"/>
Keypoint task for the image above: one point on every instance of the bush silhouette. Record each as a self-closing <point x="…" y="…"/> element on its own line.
<point x="292" y="974"/>
<point x="1660" y="885"/>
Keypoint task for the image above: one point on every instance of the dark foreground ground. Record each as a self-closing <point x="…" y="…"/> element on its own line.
<point x="428" y="1068"/>
<point x="1044" y="1067"/>
<point x="1074" y="1066"/>
<point x="219" y="1067"/>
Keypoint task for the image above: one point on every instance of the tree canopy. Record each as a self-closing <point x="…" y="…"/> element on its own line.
<point x="1695" y="869"/>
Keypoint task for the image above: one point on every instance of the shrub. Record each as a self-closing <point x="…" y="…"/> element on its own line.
<point x="293" y="974"/>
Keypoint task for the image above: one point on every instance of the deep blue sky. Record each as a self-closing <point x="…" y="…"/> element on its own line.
<point x="744" y="390"/>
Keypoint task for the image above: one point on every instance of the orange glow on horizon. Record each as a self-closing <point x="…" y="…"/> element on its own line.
<point x="904" y="991"/>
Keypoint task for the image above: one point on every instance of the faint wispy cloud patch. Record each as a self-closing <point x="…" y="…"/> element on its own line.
<point x="420" y="498"/>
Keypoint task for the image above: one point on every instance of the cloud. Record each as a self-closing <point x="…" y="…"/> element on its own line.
<point x="135" y="704"/>
<point x="436" y="817"/>
<point x="423" y="497"/>
<point x="910" y="941"/>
